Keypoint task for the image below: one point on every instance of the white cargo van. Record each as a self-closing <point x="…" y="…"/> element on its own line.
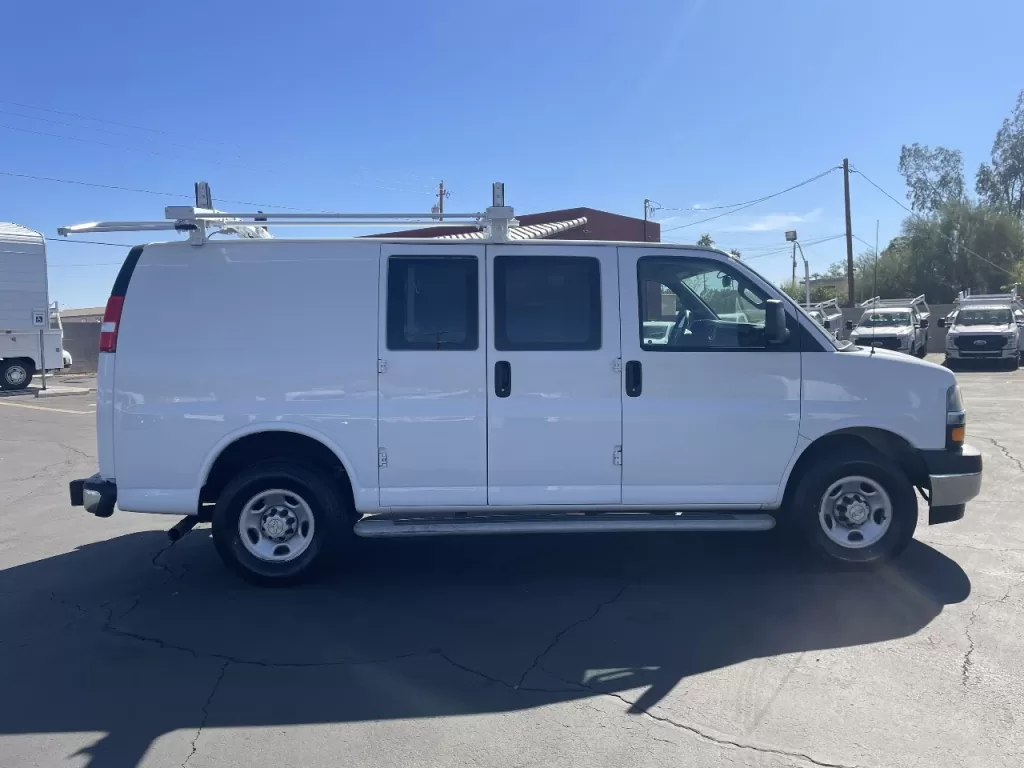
<point x="25" y="309"/>
<point x="494" y="384"/>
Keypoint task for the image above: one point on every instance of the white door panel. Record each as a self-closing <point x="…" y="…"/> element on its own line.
<point x="553" y="438"/>
<point x="432" y="403"/>
<point x="709" y="427"/>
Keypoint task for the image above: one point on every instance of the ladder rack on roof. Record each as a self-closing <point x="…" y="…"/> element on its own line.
<point x="195" y="220"/>
<point x="878" y="301"/>
<point x="989" y="298"/>
<point x="833" y="303"/>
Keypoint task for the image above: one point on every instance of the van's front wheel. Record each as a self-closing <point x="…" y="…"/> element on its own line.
<point x="858" y="510"/>
<point x="275" y="522"/>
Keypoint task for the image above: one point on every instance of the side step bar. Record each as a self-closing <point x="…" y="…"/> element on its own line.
<point x="474" y="525"/>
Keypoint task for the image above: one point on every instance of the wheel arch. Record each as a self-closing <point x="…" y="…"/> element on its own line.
<point x="261" y="442"/>
<point x="882" y="441"/>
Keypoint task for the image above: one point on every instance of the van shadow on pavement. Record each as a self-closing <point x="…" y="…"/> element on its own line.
<point x="133" y="640"/>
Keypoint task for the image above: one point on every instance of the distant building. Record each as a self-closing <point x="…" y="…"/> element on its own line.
<point x="566" y="224"/>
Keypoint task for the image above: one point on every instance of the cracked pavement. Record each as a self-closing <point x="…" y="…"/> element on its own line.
<point x="120" y="649"/>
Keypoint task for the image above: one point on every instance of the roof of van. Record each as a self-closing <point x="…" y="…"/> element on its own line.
<point x="438" y="241"/>
<point x="15" y="233"/>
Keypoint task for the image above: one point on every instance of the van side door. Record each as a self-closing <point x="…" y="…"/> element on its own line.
<point x="554" y="384"/>
<point x="431" y="379"/>
<point x="711" y="414"/>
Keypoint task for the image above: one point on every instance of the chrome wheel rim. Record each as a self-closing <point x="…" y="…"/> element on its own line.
<point x="855" y="512"/>
<point x="276" y="525"/>
<point x="16" y="374"/>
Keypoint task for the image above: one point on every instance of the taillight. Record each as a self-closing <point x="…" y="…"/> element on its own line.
<point x="111" y="321"/>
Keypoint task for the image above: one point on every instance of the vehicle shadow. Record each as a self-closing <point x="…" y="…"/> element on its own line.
<point x="132" y="640"/>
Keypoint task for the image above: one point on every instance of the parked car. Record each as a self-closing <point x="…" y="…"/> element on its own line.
<point x="896" y="324"/>
<point x="498" y="386"/>
<point x="986" y="328"/>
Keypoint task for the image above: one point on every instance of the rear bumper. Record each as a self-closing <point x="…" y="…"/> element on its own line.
<point x="97" y="495"/>
<point x="954" y="478"/>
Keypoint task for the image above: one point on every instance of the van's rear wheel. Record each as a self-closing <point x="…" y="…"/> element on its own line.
<point x="276" y="523"/>
<point x="855" y="508"/>
<point x="15" y="374"/>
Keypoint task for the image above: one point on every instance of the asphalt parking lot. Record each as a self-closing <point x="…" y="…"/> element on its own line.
<point x="121" y="650"/>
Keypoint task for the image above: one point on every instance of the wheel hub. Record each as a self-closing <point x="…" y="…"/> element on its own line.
<point x="278" y="524"/>
<point x="852" y="510"/>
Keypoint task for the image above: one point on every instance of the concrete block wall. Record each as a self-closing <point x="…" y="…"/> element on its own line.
<point x="82" y="341"/>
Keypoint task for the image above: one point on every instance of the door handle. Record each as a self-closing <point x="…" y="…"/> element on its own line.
<point x="502" y="378"/>
<point x="634" y="378"/>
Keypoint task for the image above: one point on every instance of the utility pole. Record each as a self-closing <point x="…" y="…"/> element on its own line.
<point x="647" y="209"/>
<point x="442" y="193"/>
<point x="851" y="299"/>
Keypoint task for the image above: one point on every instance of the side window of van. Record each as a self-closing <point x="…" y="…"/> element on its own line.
<point x="432" y="302"/>
<point x="547" y="303"/>
<point x="694" y="304"/>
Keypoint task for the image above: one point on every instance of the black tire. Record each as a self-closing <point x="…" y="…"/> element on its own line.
<point x="810" y="494"/>
<point x="15" y="374"/>
<point x="332" y="522"/>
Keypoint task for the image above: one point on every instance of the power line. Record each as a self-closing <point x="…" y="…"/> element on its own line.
<point x="84" y="242"/>
<point x="101" y="130"/>
<point x="941" y="234"/>
<point x="139" y="190"/>
<point x="751" y="203"/>
<point x="101" y="120"/>
<point x="786" y="249"/>
<point x="196" y="159"/>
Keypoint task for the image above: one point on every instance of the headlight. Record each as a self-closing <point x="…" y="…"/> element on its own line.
<point x="950" y="338"/>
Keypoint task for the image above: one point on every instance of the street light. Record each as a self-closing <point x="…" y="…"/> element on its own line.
<point x="792" y="238"/>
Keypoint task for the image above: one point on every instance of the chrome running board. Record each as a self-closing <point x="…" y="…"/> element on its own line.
<point x="376" y="527"/>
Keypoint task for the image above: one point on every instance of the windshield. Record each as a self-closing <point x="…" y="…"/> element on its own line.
<point x="880" y="319"/>
<point x="985" y="316"/>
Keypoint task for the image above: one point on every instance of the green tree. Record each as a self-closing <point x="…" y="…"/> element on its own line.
<point x="1000" y="183"/>
<point x="934" y="177"/>
<point x="735" y="252"/>
<point x="706" y="240"/>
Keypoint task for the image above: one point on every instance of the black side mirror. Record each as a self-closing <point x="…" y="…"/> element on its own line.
<point x="924" y="323"/>
<point x="826" y="324"/>
<point x="849" y="325"/>
<point x="942" y="322"/>
<point x="775" y="330"/>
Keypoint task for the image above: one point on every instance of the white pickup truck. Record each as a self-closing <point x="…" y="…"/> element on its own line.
<point x="897" y="324"/>
<point x="987" y="327"/>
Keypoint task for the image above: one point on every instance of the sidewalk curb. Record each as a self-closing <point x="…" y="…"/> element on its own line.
<point x="65" y="391"/>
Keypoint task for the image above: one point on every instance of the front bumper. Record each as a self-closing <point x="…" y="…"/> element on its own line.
<point x="97" y="495"/>
<point x="1006" y="353"/>
<point x="954" y="478"/>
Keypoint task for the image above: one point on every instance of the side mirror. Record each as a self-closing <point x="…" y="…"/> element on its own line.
<point x="849" y="325"/>
<point x="924" y="323"/>
<point x="775" y="330"/>
<point x="942" y="322"/>
<point x="826" y="324"/>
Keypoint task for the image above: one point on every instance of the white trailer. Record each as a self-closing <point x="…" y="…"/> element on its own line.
<point x="30" y="335"/>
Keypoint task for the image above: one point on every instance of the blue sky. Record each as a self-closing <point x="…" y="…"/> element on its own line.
<point x="325" y="105"/>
